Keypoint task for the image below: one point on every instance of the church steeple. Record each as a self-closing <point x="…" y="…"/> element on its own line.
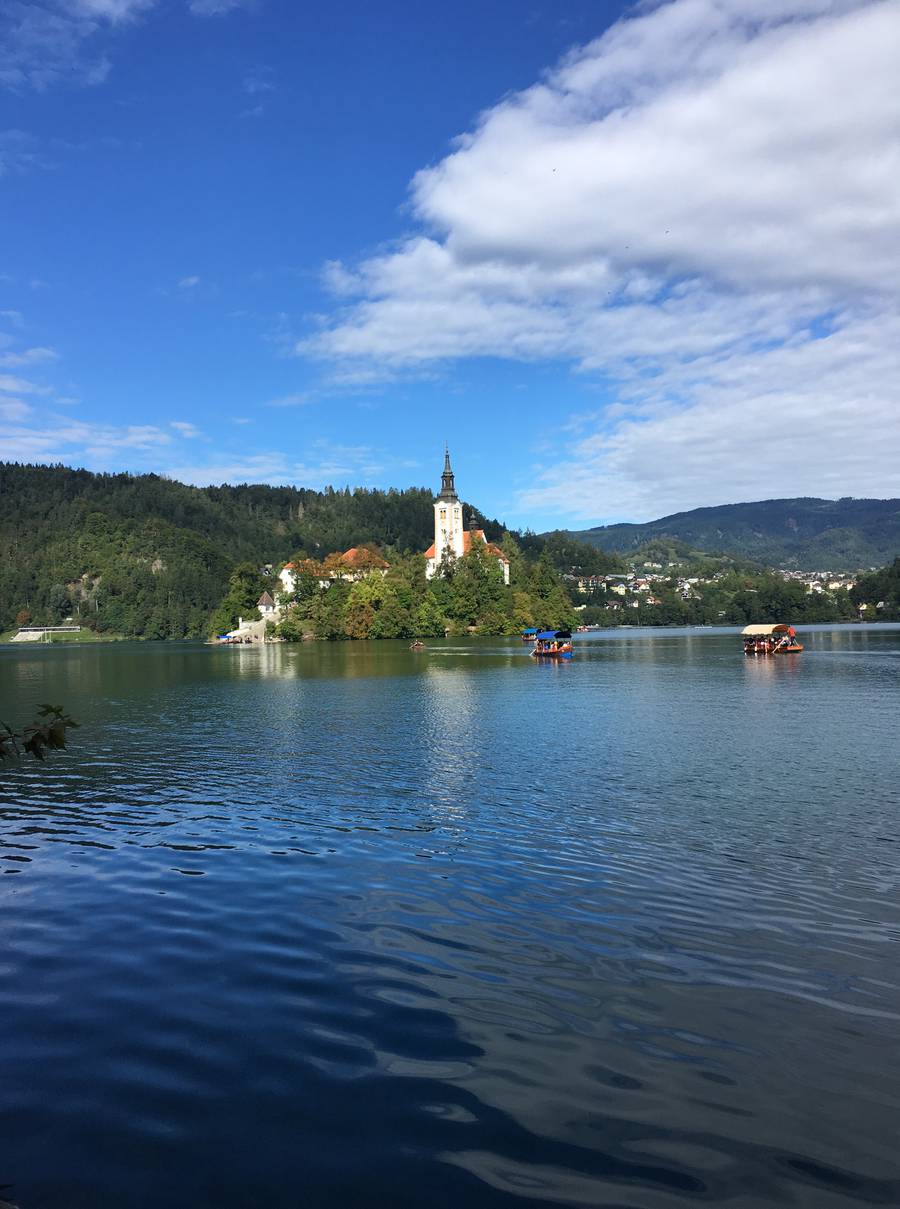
<point x="448" y="485"/>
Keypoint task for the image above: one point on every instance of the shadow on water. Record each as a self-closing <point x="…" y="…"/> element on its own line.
<point x="346" y="925"/>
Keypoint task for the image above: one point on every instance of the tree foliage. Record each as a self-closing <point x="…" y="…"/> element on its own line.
<point x="470" y="596"/>
<point x="245" y="586"/>
<point x="46" y="733"/>
<point x="880" y="588"/>
<point x="145" y="556"/>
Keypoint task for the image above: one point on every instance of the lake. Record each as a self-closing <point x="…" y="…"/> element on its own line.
<point x="347" y="925"/>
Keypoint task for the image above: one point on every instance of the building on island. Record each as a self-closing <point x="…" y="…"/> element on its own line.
<point x="356" y="563"/>
<point x="266" y="605"/>
<point x="451" y="538"/>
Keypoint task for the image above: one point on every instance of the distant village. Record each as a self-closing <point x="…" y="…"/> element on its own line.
<point x="637" y="585"/>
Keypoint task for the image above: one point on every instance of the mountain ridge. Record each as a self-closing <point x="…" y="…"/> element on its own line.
<point x="798" y="533"/>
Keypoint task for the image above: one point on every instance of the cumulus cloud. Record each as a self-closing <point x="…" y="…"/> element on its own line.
<point x="701" y="210"/>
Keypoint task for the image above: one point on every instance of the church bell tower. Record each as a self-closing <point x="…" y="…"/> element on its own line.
<point x="448" y="518"/>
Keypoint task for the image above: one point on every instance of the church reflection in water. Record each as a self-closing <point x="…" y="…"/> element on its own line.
<point x="448" y="738"/>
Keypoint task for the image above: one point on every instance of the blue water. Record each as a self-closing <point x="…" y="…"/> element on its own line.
<point x="346" y="925"/>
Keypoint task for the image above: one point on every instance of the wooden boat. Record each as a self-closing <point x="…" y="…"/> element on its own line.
<point x="529" y="635"/>
<point x="553" y="644"/>
<point x="417" y="646"/>
<point x="778" y="639"/>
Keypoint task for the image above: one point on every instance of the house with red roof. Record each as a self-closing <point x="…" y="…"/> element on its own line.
<point x="356" y="563"/>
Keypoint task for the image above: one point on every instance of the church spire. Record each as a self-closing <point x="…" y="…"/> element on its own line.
<point x="448" y="485"/>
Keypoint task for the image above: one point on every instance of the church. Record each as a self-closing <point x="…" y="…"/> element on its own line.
<point x="449" y="534"/>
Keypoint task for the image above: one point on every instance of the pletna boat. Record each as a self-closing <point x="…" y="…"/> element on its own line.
<point x="529" y="635"/>
<point x="553" y="644"/>
<point x="778" y="639"/>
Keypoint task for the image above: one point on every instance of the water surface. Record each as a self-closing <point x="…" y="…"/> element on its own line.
<point x="346" y="925"/>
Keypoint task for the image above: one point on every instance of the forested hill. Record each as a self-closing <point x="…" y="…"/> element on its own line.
<point x="806" y="534"/>
<point x="145" y="555"/>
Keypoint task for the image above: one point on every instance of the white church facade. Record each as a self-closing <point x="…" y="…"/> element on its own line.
<point x="451" y="538"/>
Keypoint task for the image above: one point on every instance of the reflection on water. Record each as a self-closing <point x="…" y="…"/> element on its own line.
<point x="348" y="925"/>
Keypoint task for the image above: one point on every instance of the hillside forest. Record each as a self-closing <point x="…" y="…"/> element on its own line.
<point x="797" y="534"/>
<point x="147" y="557"/>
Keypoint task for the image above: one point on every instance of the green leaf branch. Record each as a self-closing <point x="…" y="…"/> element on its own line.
<point x="46" y="733"/>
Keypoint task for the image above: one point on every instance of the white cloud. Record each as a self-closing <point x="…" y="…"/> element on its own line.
<point x="20" y="153"/>
<point x="295" y="400"/>
<point x="13" y="409"/>
<point x="269" y="468"/>
<point x="185" y="428"/>
<point x="326" y="464"/>
<point x="259" y="80"/>
<point x="113" y="10"/>
<point x="812" y="417"/>
<point x="188" y="283"/>
<point x="685" y="207"/>
<point x="19" y="386"/>
<point x="47" y="44"/>
<point x="28" y="356"/>
<point x="59" y="439"/>
<point x="216" y="8"/>
<point x="330" y="464"/>
<point x="66" y="41"/>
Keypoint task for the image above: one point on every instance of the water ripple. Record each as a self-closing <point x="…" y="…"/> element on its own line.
<point x="347" y="926"/>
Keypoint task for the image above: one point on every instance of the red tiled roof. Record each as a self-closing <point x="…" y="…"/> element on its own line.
<point x="491" y="548"/>
<point x="467" y="545"/>
<point x="360" y="554"/>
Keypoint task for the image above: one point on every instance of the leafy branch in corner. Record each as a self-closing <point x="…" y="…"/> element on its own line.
<point x="47" y="731"/>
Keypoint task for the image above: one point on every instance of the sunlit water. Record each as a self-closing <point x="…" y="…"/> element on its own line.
<point x="353" y="926"/>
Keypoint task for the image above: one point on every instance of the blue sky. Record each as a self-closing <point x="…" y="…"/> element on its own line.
<point x="610" y="254"/>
